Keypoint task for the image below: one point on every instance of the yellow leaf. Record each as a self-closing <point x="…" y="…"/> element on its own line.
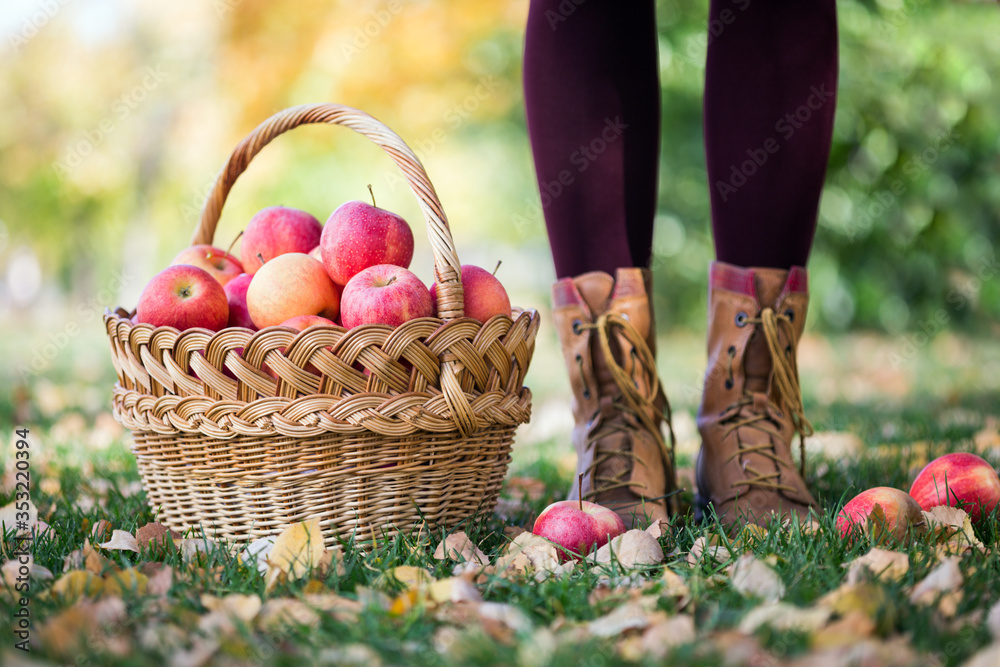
<point x="243" y="607"/>
<point x="404" y="602"/>
<point x="453" y="589"/>
<point x="459" y="547"/>
<point x="752" y="577"/>
<point x="951" y="525"/>
<point x="844" y="631"/>
<point x="121" y="540"/>
<point x="783" y="616"/>
<point x="942" y="586"/>
<point x="76" y="584"/>
<point x="281" y="612"/>
<point x="124" y="581"/>
<point x="634" y="548"/>
<point x="410" y="576"/>
<point x="297" y="550"/>
<point x="867" y="598"/>
<point x="879" y="563"/>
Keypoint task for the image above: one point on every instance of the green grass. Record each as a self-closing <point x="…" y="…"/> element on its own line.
<point x="809" y="565"/>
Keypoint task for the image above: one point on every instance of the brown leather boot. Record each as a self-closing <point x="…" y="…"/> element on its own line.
<point x="751" y="405"/>
<point x="606" y="331"/>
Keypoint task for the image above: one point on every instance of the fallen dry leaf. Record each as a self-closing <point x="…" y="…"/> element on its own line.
<point x="844" y="631"/>
<point x="634" y="548"/>
<point x="279" y="613"/>
<point x="660" y="637"/>
<point x="783" y="616"/>
<point x="100" y="530"/>
<point x="160" y="583"/>
<point x="121" y="540"/>
<point x="988" y="657"/>
<point x="701" y="549"/>
<point x="296" y="551"/>
<point x="753" y="577"/>
<point x="635" y="614"/>
<point x="453" y="589"/>
<point x="531" y="554"/>
<point x="658" y="528"/>
<point x="410" y="576"/>
<point x="342" y="609"/>
<point x="255" y="553"/>
<point x="993" y="621"/>
<point x="868" y="598"/>
<point x="9" y="517"/>
<point x="878" y="563"/>
<point x="242" y="607"/>
<point x="76" y="584"/>
<point x="129" y="580"/>
<point x="942" y="586"/>
<point x="459" y="547"/>
<point x="953" y="527"/>
<point x="675" y="587"/>
<point x="155" y="535"/>
<point x="193" y="549"/>
<point x="11" y="570"/>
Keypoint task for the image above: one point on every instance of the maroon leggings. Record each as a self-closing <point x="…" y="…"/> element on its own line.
<point x="592" y="95"/>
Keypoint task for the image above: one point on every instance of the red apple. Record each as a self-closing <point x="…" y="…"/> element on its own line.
<point x="958" y="480"/>
<point x="303" y="322"/>
<point x="483" y="295"/>
<point x="359" y="235"/>
<point x="289" y="285"/>
<point x="901" y="512"/>
<point x="384" y="294"/>
<point x="578" y="526"/>
<point x="236" y="294"/>
<point x="183" y="296"/>
<point x="220" y="264"/>
<point x="278" y="230"/>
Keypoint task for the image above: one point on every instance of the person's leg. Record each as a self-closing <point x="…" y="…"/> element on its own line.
<point x="769" y="102"/>
<point x="591" y="89"/>
<point x="592" y="97"/>
<point x="770" y="93"/>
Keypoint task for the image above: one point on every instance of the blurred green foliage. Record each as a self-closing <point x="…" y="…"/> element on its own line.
<point x="907" y="220"/>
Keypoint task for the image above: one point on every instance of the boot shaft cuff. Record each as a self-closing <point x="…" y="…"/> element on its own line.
<point x="742" y="280"/>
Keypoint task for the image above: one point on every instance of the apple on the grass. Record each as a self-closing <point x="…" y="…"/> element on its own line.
<point x="183" y="296"/>
<point x="358" y="236"/>
<point x="900" y="511"/>
<point x="236" y="293"/>
<point x="289" y="285"/>
<point x="275" y="231"/>
<point x="482" y="294"/>
<point x="960" y="480"/>
<point x="220" y="264"/>
<point x="384" y="294"/>
<point x="578" y="526"/>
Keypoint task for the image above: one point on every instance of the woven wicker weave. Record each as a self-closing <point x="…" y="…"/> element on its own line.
<point x="423" y="436"/>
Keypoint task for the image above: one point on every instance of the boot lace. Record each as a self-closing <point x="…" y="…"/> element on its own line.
<point x="785" y="379"/>
<point x="631" y="401"/>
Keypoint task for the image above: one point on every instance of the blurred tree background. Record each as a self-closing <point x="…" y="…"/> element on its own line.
<point x="115" y="117"/>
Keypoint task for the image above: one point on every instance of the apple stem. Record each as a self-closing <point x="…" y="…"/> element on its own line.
<point x="391" y="281"/>
<point x="230" y="249"/>
<point x="499" y="262"/>
<point x="579" y="486"/>
<point x="261" y="258"/>
<point x="372" y="192"/>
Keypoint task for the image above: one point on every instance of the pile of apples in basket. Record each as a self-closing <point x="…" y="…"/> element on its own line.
<point x="295" y="272"/>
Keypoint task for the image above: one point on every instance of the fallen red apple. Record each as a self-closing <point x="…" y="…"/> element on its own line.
<point x="220" y="264"/>
<point x="236" y="294"/>
<point x="483" y="295"/>
<point x="578" y="526"/>
<point x="384" y="294"/>
<point x="358" y="235"/>
<point x="289" y="285"/>
<point x="960" y="480"/>
<point x="278" y="230"/>
<point x="900" y="511"/>
<point x="183" y="296"/>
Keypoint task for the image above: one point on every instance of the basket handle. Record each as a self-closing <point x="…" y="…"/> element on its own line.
<point x="447" y="268"/>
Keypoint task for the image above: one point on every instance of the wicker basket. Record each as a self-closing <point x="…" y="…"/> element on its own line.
<point x="424" y="436"/>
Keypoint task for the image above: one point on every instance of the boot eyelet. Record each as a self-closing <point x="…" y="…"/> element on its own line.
<point x="579" y="358"/>
<point x="790" y="314"/>
<point x="741" y="319"/>
<point x="576" y="326"/>
<point x="729" y="383"/>
<point x="732" y="351"/>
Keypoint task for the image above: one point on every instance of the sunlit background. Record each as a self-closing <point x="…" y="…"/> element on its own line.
<point x="115" y="117"/>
